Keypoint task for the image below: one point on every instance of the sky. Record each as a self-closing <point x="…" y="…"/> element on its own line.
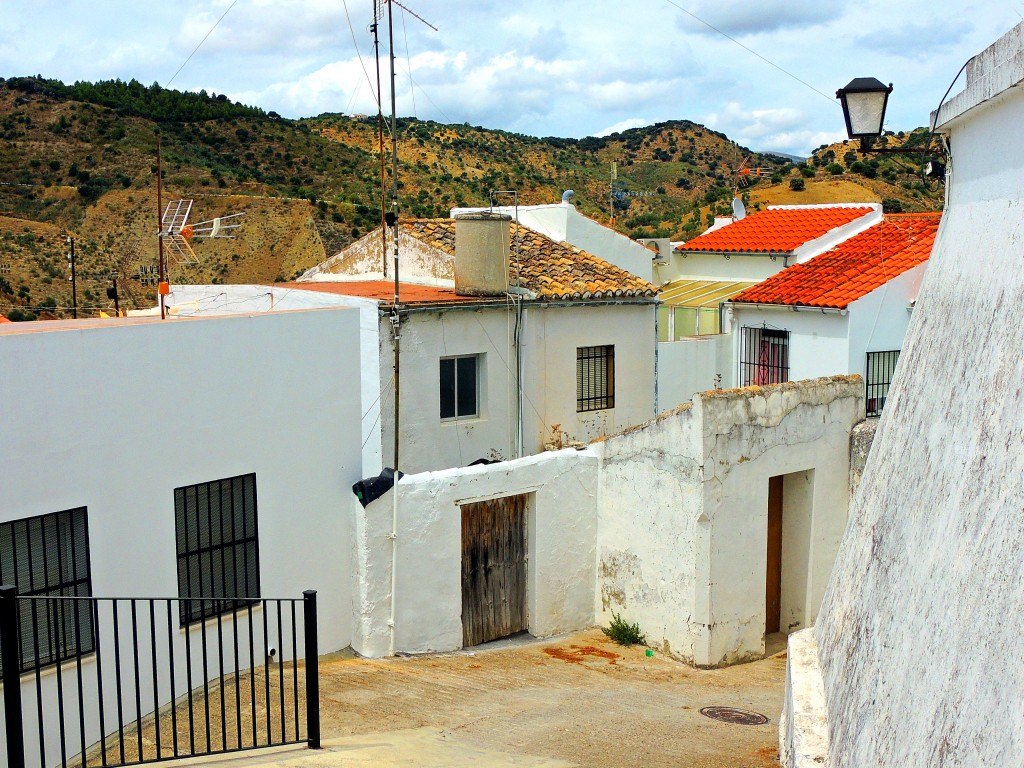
<point x="766" y="75"/>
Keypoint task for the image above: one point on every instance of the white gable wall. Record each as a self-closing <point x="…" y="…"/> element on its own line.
<point x="564" y="224"/>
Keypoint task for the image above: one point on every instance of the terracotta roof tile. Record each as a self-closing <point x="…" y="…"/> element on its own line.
<point x="775" y="230"/>
<point x="384" y="290"/>
<point x="556" y="271"/>
<point x="854" y="268"/>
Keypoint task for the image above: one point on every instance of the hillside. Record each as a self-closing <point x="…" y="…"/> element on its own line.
<point x="81" y="159"/>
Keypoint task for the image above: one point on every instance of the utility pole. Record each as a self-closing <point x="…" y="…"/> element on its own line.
<point x="74" y="284"/>
<point x="112" y="294"/>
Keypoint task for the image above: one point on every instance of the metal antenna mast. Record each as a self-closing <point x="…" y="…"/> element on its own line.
<point x="391" y="219"/>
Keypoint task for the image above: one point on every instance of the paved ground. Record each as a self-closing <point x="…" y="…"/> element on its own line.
<point x="582" y="699"/>
<point x="579" y="700"/>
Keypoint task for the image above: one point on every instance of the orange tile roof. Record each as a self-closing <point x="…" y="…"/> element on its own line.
<point x="555" y="271"/>
<point x="775" y="230"/>
<point x="384" y="290"/>
<point x="854" y="268"/>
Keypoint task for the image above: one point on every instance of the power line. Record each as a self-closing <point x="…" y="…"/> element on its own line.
<point x="167" y="84"/>
<point x="359" y="55"/>
<point x="751" y="50"/>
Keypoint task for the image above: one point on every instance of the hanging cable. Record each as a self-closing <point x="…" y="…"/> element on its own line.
<point x="751" y="50"/>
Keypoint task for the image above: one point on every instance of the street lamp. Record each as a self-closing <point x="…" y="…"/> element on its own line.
<point x="864" y="101"/>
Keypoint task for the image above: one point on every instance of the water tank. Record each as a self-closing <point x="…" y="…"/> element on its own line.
<point x="482" y="242"/>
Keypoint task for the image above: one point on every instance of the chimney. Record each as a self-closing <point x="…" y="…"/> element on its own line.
<point x="481" y="254"/>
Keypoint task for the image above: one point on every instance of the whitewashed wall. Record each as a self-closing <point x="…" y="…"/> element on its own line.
<point x="818" y="341"/>
<point x="919" y="635"/>
<point x="651" y="496"/>
<point x="879" y="321"/>
<point x="188" y="301"/>
<point x="114" y="415"/>
<point x="682" y="541"/>
<point x="788" y="430"/>
<point x="561" y="533"/>
<point x="551" y="335"/>
<point x="692" y="365"/>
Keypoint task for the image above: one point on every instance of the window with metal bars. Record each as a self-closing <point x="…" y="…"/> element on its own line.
<point x="764" y="356"/>
<point x="878" y="375"/>
<point x="459" y="387"/>
<point x="595" y="378"/>
<point x="218" y="546"/>
<point x="48" y="556"/>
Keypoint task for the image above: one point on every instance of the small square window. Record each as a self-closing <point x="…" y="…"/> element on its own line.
<point x="595" y="378"/>
<point x="459" y="387"/>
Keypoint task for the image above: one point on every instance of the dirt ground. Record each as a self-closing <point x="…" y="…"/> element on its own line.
<point x="578" y="700"/>
<point x="581" y="699"/>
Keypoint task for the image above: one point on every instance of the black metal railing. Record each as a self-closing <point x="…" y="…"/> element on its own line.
<point x="150" y="689"/>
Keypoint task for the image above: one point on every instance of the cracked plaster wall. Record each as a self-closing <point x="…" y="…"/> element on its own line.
<point x="561" y="532"/>
<point x="919" y="636"/>
<point x="682" y="538"/>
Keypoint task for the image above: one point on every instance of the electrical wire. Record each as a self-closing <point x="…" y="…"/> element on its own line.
<point x="408" y="63"/>
<point x="359" y="55"/>
<point x="216" y="24"/>
<point x="751" y="50"/>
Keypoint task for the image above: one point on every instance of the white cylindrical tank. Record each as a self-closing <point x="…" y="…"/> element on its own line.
<point x="481" y="254"/>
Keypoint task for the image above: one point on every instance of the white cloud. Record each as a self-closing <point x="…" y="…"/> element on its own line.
<point x="779" y="129"/>
<point x="623" y="125"/>
<point x="742" y="17"/>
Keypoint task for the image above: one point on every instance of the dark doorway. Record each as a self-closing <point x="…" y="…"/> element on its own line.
<point x="773" y="576"/>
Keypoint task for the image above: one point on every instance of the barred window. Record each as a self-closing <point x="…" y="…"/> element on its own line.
<point x="764" y="356"/>
<point x="48" y="556"/>
<point x="218" y="546"/>
<point x="459" y="387"/>
<point x="880" y="369"/>
<point x="595" y="378"/>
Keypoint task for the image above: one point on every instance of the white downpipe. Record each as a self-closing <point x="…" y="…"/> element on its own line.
<point x="394" y="563"/>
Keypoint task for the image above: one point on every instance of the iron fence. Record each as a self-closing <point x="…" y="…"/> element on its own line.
<point x="146" y="688"/>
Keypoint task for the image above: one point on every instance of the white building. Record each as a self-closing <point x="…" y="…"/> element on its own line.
<point x="712" y="527"/>
<point x="916" y="656"/>
<point x="116" y="434"/>
<point x="844" y="311"/>
<point x="534" y="342"/>
<point x="695" y="351"/>
<point x="562" y="223"/>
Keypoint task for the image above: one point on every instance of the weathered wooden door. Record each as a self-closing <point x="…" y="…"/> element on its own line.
<point x="773" y="577"/>
<point x="493" y="569"/>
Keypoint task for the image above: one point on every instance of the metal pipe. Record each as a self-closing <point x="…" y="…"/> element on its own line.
<point x="312" y="669"/>
<point x="13" y="717"/>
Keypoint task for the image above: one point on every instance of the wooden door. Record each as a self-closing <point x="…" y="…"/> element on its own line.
<point x="493" y="569"/>
<point x="773" y="577"/>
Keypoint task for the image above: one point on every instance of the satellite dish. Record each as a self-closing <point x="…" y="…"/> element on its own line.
<point x="738" y="211"/>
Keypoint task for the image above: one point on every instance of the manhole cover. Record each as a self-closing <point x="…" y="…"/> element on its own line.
<point x="734" y="716"/>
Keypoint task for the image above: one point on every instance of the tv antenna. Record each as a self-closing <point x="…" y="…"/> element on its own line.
<point x="178" y="233"/>
<point x="125" y="278"/>
<point x="745" y="173"/>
